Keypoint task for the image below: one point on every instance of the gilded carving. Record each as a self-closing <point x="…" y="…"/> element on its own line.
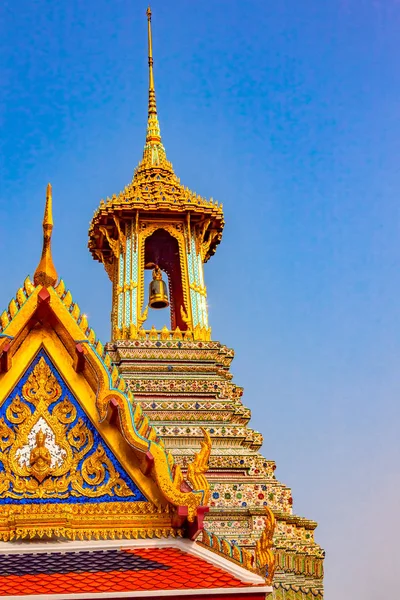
<point x="18" y="411"/>
<point x="205" y="246"/>
<point x="265" y="559"/>
<point x="186" y="319"/>
<point x="199" y="466"/>
<point x="121" y="235"/>
<point x="114" y="244"/>
<point x="42" y="386"/>
<point x="42" y="455"/>
<point x="4" y="320"/>
<point x="200" y="232"/>
<point x="143" y="317"/>
<point x="200" y="289"/>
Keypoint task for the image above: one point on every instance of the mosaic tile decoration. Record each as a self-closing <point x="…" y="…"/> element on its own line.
<point x="183" y="386"/>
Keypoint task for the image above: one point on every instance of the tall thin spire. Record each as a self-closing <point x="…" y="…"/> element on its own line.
<point x="153" y="127"/>
<point x="154" y="151"/>
<point x="46" y="273"/>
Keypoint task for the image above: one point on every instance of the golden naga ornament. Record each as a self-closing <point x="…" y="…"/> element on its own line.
<point x="265" y="559"/>
<point x="199" y="466"/>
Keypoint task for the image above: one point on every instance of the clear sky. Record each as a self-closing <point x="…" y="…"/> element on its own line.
<point x="288" y="113"/>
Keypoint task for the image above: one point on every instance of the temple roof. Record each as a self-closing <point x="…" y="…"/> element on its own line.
<point x="70" y="430"/>
<point x="80" y="461"/>
<point x="155" y="188"/>
<point x="123" y="569"/>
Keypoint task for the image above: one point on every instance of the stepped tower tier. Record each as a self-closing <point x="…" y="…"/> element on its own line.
<point x="186" y="386"/>
<point x="155" y="220"/>
<point x="179" y="374"/>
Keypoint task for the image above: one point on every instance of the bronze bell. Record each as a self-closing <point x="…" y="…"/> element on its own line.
<point x="158" y="295"/>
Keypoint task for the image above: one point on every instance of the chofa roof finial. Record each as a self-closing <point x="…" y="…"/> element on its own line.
<point x="46" y="273"/>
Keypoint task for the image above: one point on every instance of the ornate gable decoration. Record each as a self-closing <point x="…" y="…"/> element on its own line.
<point x="79" y="457"/>
<point x="50" y="450"/>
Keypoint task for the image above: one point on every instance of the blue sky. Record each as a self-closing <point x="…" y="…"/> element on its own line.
<point x="288" y="113"/>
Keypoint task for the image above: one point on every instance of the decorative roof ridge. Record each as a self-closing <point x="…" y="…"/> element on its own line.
<point x="117" y="383"/>
<point x="15" y="304"/>
<point x="135" y="424"/>
<point x="183" y="195"/>
<point x="112" y="389"/>
<point x="262" y="562"/>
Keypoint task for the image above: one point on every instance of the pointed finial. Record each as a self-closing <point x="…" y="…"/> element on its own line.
<point x="152" y="107"/>
<point x="46" y="273"/>
<point x="153" y="128"/>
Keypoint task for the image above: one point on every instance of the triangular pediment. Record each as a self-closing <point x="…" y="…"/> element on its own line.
<point x="51" y="451"/>
<point x="80" y="458"/>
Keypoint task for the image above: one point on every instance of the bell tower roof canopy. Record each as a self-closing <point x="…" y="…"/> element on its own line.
<point x="155" y="189"/>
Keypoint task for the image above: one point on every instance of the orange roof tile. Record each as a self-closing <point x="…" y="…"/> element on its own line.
<point x="119" y="570"/>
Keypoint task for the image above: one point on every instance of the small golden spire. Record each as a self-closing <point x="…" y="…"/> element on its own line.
<point x="152" y="106"/>
<point x="46" y="273"/>
<point x="153" y="127"/>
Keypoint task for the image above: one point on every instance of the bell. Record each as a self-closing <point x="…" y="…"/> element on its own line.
<point x="158" y="295"/>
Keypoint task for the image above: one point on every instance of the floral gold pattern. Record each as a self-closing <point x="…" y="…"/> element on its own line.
<point x="44" y="454"/>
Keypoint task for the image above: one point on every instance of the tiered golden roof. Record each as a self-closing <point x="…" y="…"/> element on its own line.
<point x="154" y="188"/>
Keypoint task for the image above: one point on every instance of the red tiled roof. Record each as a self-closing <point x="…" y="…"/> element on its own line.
<point x="120" y="570"/>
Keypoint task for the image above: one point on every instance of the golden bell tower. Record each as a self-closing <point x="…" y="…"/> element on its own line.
<point x="180" y="376"/>
<point x="156" y="223"/>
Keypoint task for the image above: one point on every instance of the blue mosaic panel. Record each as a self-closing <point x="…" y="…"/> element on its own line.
<point x="134" y="275"/>
<point x="134" y="305"/>
<point x="200" y="270"/>
<point x="79" y="434"/>
<point x="121" y="294"/>
<point x="193" y="299"/>
<point x="190" y="265"/>
<point x="203" y="310"/>
<point x="128" y="275"/>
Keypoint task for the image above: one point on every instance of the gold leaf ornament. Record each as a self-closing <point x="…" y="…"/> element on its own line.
<point x="41" y="454"/>
<point x="265" y="559"/>
<point x="199" y="466"/>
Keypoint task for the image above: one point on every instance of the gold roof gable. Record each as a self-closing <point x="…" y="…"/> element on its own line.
<point x="44" y="318"/>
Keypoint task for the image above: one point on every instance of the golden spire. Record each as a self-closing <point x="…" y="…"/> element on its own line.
<point x="152" y="93"/>
<point x="46" y="273"/>
<point x="154" y="150"/>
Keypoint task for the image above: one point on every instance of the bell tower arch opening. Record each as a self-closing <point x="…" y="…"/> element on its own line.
<point x="162" y="249"/>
